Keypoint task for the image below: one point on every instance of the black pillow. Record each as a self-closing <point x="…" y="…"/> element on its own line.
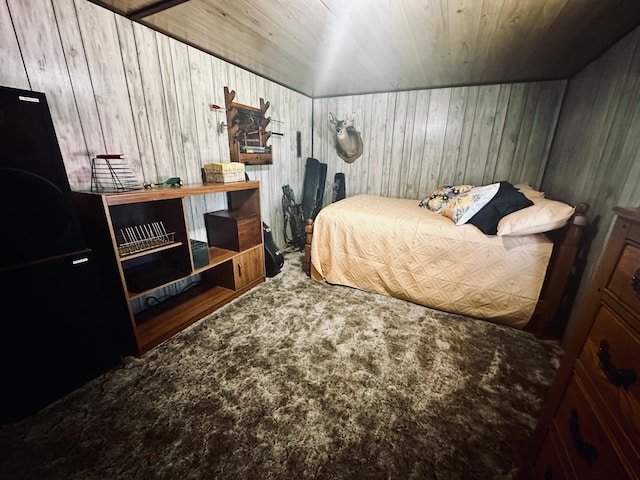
<point x="508" y="200"/>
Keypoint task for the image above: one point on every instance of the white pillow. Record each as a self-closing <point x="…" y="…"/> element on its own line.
<point x="529" y="191"/>
<point x="544" y="215"/>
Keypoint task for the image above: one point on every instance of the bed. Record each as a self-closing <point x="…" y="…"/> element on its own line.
<point x="397" y="247"/>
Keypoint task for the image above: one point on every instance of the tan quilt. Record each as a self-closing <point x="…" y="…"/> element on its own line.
<point x="394" y="247"/>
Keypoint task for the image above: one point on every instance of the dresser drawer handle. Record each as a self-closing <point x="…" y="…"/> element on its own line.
<point x="635" y="282"/>
<point x="586" y="450"/>
<point x="620" y="377"/>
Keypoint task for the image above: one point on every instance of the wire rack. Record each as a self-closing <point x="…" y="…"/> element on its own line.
<point x="110" y="173"/>
<point x="139" y="238"/>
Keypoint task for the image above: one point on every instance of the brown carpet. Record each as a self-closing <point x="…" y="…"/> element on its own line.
<point x="297" y="380"/>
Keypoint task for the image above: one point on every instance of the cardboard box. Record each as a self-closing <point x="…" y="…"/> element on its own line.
<point x="223" y="172"/>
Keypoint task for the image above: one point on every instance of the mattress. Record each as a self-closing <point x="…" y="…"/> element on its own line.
<point x="392" y="246"/>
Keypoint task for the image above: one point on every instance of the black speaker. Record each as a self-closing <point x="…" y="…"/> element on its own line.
<point x="36" y="207"/>
<point x="56" y="332"/>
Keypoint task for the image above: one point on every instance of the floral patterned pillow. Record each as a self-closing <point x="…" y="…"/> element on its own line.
<point x="459" y="202"/>
<point x="437" y="200"/>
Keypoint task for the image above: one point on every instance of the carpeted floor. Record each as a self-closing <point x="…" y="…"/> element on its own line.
<point x="297" y="380"/>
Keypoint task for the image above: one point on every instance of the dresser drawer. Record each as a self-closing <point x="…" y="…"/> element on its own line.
<point x="550" y="464"/>
<point x="622" y="282"/>
<point x="585" y="442"/>
<point x="610" y="358"/>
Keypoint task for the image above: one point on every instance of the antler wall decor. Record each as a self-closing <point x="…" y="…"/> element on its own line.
<point x="347" y="138"/>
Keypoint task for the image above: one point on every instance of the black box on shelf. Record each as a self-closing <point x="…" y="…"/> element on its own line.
<point x="200" y="252"/>
<point x="233" y="230"/>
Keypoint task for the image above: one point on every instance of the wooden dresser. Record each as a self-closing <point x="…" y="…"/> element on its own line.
<point x="590" y="424"/>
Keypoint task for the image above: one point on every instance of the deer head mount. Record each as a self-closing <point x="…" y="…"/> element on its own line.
<point x="348" y="140"/>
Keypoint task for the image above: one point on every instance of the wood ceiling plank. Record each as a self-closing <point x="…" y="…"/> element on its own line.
<point x="490" y="21"/>
<point x="532" y="42"/>
<point x="505" y="51"/>
<point x="332" y="47"/>
<point x="281" y="24"/>
<point x="366" y="40"/>
<point x="464" y="37"/>
<point x="125" y="7"/>
<point x="582" y="32"/>
<point x="352" y="48"/>
<point x="428" y="27"/>
<point x="225" y="30"/>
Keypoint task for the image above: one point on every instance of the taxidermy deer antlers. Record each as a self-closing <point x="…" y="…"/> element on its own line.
<point x="348" y="140"/>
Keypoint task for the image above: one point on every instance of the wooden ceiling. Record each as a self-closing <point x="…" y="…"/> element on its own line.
<point x="341" y="47"/>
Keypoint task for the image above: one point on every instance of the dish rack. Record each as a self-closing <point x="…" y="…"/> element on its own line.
<point x="110" y="173"/>
<point x="139" y="238"/>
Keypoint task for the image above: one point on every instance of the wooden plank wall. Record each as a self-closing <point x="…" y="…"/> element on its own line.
<point x="116" y="86"/>
<point x="415" y="141"/>
<point x="595" y="155"/>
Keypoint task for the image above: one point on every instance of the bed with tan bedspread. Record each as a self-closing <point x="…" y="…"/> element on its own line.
<point x="394" y="247"/>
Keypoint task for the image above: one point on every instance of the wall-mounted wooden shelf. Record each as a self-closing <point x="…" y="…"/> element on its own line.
<point x="247" y="131"/>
